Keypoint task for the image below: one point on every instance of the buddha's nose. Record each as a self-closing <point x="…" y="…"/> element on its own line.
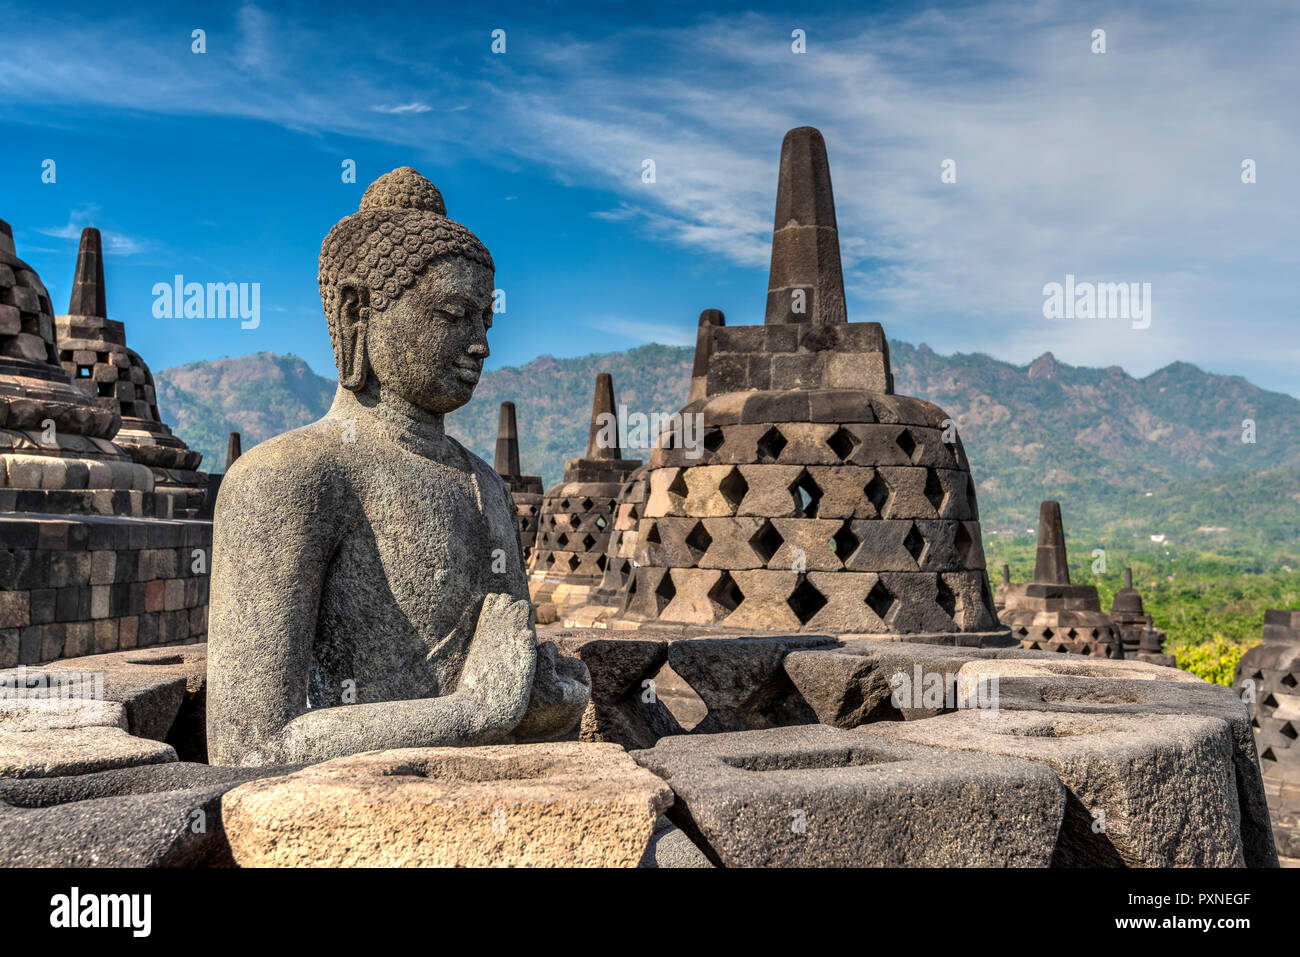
<point x="478" y="350"/>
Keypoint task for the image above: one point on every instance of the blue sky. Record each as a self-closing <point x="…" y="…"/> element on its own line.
<point x="1118" y="167"/>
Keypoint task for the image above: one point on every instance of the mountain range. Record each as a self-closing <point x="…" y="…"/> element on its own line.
<point x="1200" y="459"/>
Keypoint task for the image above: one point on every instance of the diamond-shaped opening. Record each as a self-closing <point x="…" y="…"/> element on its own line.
<point x="844" y="542"/>
<point x="1287" y="680"/>
<point x="1072" y="634"/>
<point x="699" y="540"/>
<point x="733" y="488"/>
<point x="573" y="562"/>
<point x="770" y="445"/>
<point x="1288" y="731"/>
<point x="601" y="562"/>
<point x="877" y="493"/>
<point x="1048" y="633"/>
<point x="678" y="484"/>
<point x="842" y="443"/>
<point x="806" y="601"/>
<point x="906" y="442"/>
<point x="965" y="545"/>
<point x="713" y="440"/>
<point x="586" y="504"/>
<point x="550" y="559"/>
<point x="947" y="599"/>
<point x="562" y="539"/>
<point x="766" y="541"/>
<point x="933" y="489"/>
<point x="666" y="591"/>
<point x="601" y="522"/>
<point x="1269" y="701"/>
<point x="880" y="601"/>
<point x="914" y="542"/>
<point x="587" y="542"/>
<point x="1023" y="631"/>
<point x="652" y="535"/>
<point x="1095" y="634"/>
<point x="726" y="594"/>
<point x="564" y="505"/>
<point x="807" y="494"/>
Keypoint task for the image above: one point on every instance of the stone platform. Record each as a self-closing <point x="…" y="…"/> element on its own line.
<point x="813" y="752"/>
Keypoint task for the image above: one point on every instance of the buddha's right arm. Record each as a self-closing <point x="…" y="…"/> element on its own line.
<point x="277" y="524"/>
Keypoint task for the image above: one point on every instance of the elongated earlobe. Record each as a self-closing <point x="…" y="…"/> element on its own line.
<point x="351" y="325"/>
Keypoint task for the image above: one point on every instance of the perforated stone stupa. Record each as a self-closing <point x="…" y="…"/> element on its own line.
<point x="89" y="564"/>
<point x="1142" y="639"/>
<point x="1268" y="680"/>
<point x="577" y="516"/>
<point x="526" y="490"/>
<point x="821" y="501"/>
<point x="1049" y="613"/>
<point x="92" y="349"/>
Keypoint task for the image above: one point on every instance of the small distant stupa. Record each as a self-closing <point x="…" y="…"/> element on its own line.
<point x="577" y="516"/>
<point x="1051" y="614"/>
<point x="1142" y="639"/>
<point x="526" y="490"/>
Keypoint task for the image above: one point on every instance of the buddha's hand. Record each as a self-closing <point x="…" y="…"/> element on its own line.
<point x="498" y="674"/>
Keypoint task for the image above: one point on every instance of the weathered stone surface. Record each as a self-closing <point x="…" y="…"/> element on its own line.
<point x="368" y="557"/>
<point x="742" y="682"/>
<point x="31" y="754"/>
<point x="625" y="708"/>
<point x="561" y="804"/>
<point x="158" y="816"/>
<point x="670" y="847"/>
<point x="815" y="796"/>
<point x="37" y="714"/>
<point x="1128" y="696"/>
<point x="1148" y="790"/>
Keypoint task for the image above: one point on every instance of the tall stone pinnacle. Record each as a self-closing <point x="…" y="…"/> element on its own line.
<point x="709" y="320"/>
<point x="7" y="239"/>
<point x="1050" y="565"/>
<point x="805" y="282"/>
<point x="234" y="449"/>
<point x="507" y="457"/>
<point x="88" y="282"/>
<point x="1128" y="578"/>
<point x="602" y="404"/>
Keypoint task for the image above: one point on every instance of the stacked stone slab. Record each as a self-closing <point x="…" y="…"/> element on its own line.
<point x="1051" y="614"/>
<point x="91" y="560"/>
<point x="1268" y="680"/>
<point x="820" y="501"/>
<point x="526" y="490"/>
<point x="92" y="350"/>
<point x="577" y="516"/>
<point x="1142" y="639"/>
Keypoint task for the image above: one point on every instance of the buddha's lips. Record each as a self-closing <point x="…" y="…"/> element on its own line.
<point x="467" y="372"/>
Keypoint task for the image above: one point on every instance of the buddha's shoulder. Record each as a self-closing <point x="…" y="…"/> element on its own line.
<point x="310" y="457"/>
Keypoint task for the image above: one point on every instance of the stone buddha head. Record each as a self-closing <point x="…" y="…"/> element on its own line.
<point x="408" y="296"/>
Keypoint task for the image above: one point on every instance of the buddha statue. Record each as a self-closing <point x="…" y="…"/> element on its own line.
<point x="368" y="587"/>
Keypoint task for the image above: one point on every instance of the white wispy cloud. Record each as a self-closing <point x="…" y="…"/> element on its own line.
<point x="1123" y="166"/>
<point x="114" y="243"/>
<point x="403" y="109"/>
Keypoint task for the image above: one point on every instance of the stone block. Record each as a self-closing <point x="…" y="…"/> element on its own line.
<point x="1146" y="790"/>
<point x="561" y="804"/>
<point x="816" y="796"/>
<point x="51" y="753"/>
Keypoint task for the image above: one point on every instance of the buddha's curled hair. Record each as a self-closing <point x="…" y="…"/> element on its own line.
<point x="399" y="229"/>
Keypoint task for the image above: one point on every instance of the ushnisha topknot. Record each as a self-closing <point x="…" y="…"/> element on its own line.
<point x="399" y="229"/>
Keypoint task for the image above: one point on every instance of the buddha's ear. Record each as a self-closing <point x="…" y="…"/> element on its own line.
<point x="350" y="324"/>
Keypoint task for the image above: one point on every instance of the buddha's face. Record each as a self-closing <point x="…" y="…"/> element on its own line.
<point x="430" y="344"/>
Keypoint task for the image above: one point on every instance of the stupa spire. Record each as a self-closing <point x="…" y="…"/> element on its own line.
<point x="1050" y="565"/>
<point x="88" y="282"/>
<point x="602" y="404"/>
<point x="507" y="455"/>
